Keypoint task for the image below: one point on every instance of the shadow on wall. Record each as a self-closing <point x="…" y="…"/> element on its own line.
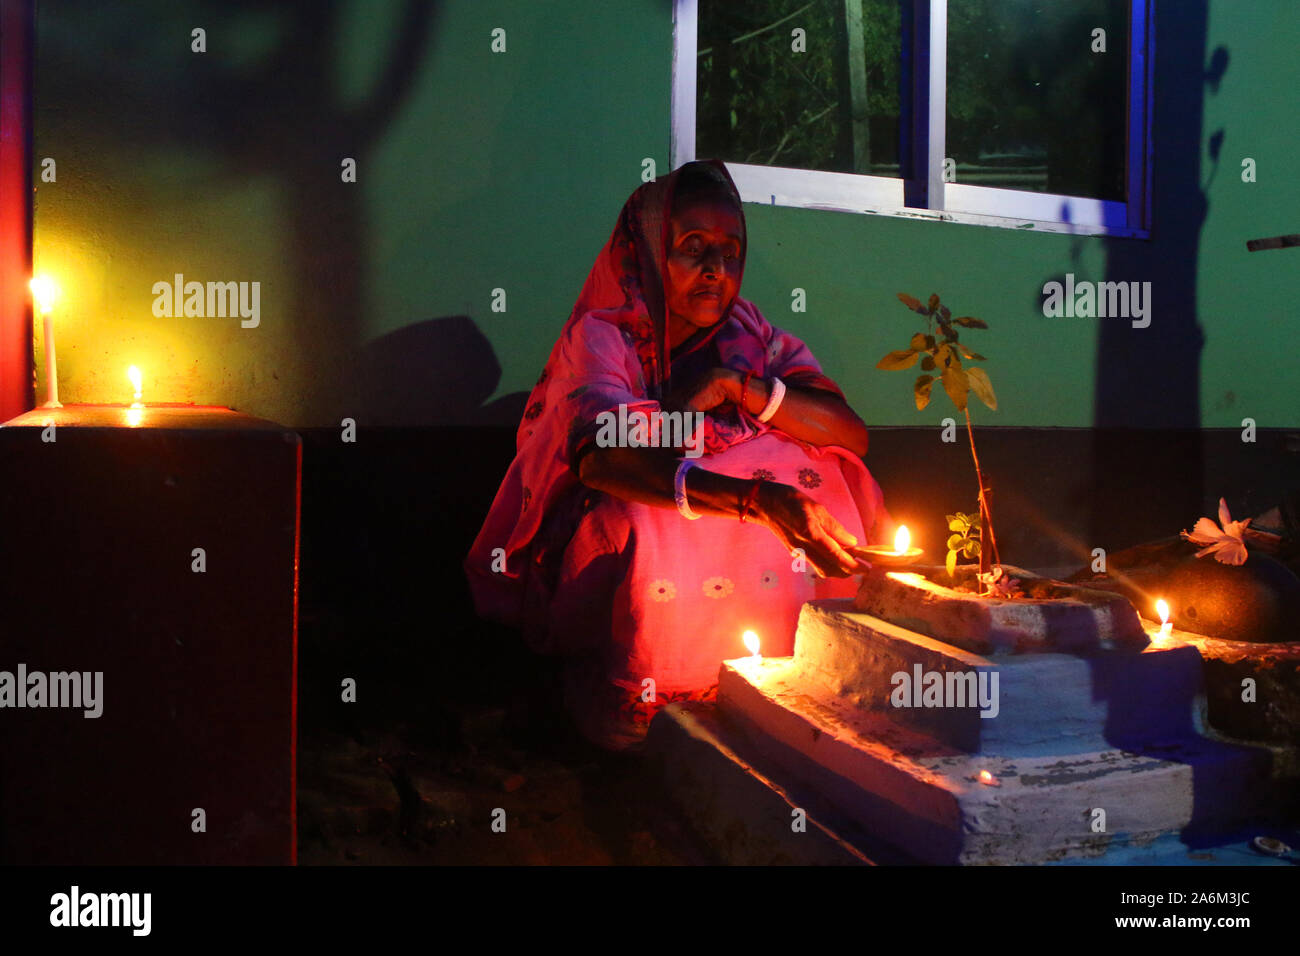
<point x="1151" y="377"/>
<point x="436" y="372"/>
<point x="276" y="114"/>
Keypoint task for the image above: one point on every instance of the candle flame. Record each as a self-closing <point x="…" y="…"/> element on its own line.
<point x="902" y="540"/>
<point x="44" y="291"/>
<point x="133" y="373"/>
<point x="1162" y="608"/>
<point x="751" y="642"/>
<point x="988" y="779"/>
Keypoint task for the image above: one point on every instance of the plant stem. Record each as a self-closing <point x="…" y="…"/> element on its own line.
<point x="988" y="541"/>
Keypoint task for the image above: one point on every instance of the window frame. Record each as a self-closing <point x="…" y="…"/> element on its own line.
<point x="921" y="192"/>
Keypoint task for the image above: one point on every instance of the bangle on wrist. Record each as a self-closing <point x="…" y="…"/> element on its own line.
<point x="773" y="400"/>
<point x="744" y="391"/>
<point x="679" y="490"/>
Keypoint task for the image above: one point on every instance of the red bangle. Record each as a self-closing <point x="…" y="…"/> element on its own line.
<point x="744" y="390"/>
<point x="748" y="505"/>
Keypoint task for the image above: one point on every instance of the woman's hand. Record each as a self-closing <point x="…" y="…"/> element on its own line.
<point x="800" y="522"/>
<point x="707" y="392"/>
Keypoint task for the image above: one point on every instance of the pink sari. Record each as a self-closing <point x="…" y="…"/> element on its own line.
<point x="648" y="603"/>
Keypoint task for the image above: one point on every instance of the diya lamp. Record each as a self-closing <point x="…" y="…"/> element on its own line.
<point x="900" y="555"/>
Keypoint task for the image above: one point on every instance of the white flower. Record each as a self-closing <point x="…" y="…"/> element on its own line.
<point x="663" y="590"/>
<point x="997" y="583"/>
<point x="1227" y="544"/>
<point x="718" y="587"/>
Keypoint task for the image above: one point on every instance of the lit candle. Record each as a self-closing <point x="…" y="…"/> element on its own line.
<point x="1162" y="608"/>
<point x="988" y="779"/>
<point x="902" y="540"/>
<point x="751" y="644"/>
<point x="44" y="292"/>
<point x="133" y="373"/>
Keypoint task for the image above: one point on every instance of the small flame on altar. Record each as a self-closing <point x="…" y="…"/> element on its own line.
<point x="1162" y="608"/>
<point x="44" y="291"/>
<point x="988" y="779"/>
<point x="751" y="643"/>
<point x="133" y="373"/>
<point x="902" y="540"/>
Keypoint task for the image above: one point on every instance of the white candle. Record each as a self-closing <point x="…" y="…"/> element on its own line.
<point x="44" y="292"/>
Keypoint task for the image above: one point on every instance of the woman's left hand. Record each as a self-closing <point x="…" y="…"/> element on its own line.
<point x="707" y="392"/>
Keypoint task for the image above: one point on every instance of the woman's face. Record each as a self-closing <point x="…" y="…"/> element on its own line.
<point x="703" y="265"/>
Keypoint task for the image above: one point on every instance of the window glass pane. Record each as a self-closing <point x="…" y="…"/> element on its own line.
<point x="1030" y="104"/>
<point x="761" y="102"/>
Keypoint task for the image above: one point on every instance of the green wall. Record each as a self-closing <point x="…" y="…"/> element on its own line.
<point x="479" y="170"/>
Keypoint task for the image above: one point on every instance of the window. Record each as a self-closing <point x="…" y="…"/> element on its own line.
<point x="1017" y="113"/>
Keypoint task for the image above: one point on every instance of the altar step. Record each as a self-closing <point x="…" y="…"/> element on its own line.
<point x="925" y="796"/>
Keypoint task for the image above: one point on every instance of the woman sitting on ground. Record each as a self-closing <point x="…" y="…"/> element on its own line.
<point x="592" y="547"/>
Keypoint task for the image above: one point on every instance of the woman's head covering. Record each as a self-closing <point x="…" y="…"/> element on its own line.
<point x="631" y="272"/>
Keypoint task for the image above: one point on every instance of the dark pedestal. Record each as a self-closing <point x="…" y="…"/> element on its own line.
<point x="199" y="687"/>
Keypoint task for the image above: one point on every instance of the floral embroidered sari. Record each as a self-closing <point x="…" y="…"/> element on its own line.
<point x="647" y="603"/>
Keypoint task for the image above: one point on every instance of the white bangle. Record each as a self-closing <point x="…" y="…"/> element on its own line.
<point x="679" y="490"/>
<point x="773" y="399"/>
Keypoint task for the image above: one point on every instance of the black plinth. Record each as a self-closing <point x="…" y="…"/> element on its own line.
<point x="97" y="533"/>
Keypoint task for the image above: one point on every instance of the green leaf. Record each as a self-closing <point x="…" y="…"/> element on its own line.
<point x="922" y="391"/>
<point x="970" y="322"/>
<point x="951" y="563"/>
<point x="949" y="518"/>
<point x="934" y="301"/>
<point x="918" y="342"/>
<point x="973" y="356"/>
<point x="958" y="522"/>
<point x="911" y="302"/>
<point x="901" y="359"/>
<point x="970" y="548"/>
<point x="927" y="364"/>
<point x="954" y="541"/>
<point x="945" y="312"/>
<point x="979" y="380"/>
<point x="929" y="343"/>
<point x="956" y="385"/>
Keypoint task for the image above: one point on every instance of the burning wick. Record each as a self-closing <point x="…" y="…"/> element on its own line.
<point x="988" y="779"/>
<point x="902" y="540"/>
<point x="133" y="373"/>
<point x="751" y="644"/>
<point x="1162" y="608"/>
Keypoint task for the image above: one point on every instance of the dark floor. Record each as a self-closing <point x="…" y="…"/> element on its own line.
<point x="413" y="771"/>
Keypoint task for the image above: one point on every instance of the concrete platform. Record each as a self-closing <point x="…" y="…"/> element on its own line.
<point x="1046" y="703"/>
<point x="745" y="813"/>
<point x="925" y="796"/>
